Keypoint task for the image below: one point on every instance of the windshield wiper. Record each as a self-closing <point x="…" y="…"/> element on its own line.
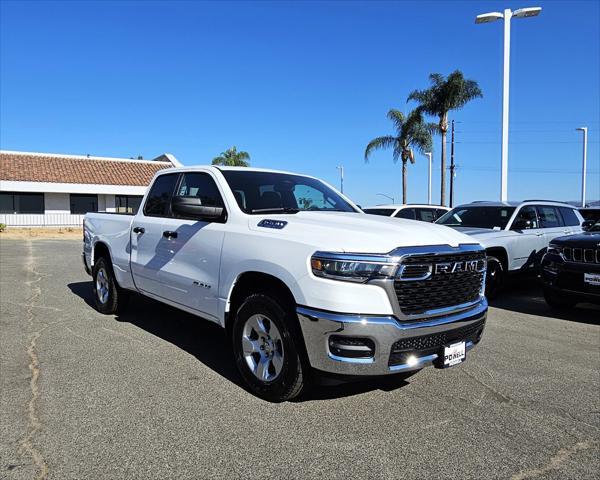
<point x="275" y="210"/>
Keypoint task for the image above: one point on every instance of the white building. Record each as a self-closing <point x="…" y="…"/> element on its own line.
<point x="43" y="189"/>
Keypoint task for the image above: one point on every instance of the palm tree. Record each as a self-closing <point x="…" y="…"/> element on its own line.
<point x="445" y="94"/>
<point x="411" y="133"/>
<point x="232" y="158"/>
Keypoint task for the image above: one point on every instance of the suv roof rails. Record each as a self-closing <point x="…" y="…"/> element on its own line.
<point x="545" y="200"/>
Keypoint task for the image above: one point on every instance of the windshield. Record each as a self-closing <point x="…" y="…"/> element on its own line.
<point x="385" y="212"/>
<point x="269" y="192"/>
<point x="478" y="217"/>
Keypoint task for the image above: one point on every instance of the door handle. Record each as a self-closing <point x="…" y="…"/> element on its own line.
<point x="169" y="234"/>
<point x="567" y="231"/>
<point x="139" y="229"/>
<point x="539" y="234"/>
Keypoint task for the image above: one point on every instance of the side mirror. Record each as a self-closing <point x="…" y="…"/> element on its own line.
<point x="587" y="224"/>
<point x="191" y="207"/>
<point x="521" y="224"/>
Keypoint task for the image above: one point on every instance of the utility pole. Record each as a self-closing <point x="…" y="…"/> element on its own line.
<point x="341" y="169"/>
<point x="584" y="169"/>
<point x="452" y="168"/>
<point x="429" y="156"/>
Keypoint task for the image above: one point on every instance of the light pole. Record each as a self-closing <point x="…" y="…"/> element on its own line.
<point x="428" y="155"/>
<point x="386" y="196"/>
<point x="584" y="169"/>
<point x="341" y="169"/>
<point x="492" y="17"/>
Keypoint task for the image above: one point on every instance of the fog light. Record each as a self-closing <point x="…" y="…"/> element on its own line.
<point x="412" y="361"/>
<point x="351" y="347"/>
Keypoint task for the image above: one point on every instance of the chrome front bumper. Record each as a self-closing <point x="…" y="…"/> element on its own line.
<point x="317" y="326"/>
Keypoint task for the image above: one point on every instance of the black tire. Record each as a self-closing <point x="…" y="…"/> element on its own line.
<point x="558" y="301"/>
<point x="289" y="375"/>
<point x="494" y="277"/>
<point x="109" y="298"/>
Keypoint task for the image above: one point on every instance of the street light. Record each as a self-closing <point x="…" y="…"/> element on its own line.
<point x="386" y="196"/>
<point x="492" y="17"/>
<point x="428" y="155"/>
<point x="584" y="169"/>
<point x="341" y="169"/>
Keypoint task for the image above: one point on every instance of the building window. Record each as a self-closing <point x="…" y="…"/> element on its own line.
<point x="83" y="203"/>
<point x="127" y="203"/>
<point x="21" y="202"/>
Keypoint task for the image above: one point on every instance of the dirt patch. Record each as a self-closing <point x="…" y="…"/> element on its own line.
<point x="68" y="233"/>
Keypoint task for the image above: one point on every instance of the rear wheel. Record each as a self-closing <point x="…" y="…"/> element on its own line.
<point x="108" y="296"/>
<point x="494" y="277"/>
<point x="557" y="301"/>
<point x="267" y="350"/>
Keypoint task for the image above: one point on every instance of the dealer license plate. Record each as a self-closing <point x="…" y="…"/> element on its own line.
<point x="592" y="278"/>
<point x="454" y="354"/>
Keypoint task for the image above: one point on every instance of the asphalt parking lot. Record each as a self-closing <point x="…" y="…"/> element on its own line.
<point x="153" y="393"/>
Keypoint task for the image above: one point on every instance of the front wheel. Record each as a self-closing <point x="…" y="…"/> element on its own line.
<point x="494" y="277"/>
<point x="267" y="349"/>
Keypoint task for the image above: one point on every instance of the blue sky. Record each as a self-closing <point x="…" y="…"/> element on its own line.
<point x="303" y="86"/>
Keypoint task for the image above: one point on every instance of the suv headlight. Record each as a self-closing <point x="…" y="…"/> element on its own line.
<point x="352" y="267"/>
<point x="554" y="248"/>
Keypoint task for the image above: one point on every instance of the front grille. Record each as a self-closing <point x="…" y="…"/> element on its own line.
<point x="438" y="290"/>
<point x="581" y="255"/>
<point x="429" y="344"/>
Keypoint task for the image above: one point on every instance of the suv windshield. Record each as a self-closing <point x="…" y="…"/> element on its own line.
<point x="478" y="217"/>
<point x="269" y="192"/>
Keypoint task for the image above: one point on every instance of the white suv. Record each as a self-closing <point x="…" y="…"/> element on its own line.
<point x="515" y="235"/>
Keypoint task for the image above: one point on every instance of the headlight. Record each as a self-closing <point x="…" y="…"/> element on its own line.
<point x="554" y="248"/>
<point x="352" y="268"/>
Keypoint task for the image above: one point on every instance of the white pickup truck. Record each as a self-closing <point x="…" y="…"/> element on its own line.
<point x="298" y="275"/>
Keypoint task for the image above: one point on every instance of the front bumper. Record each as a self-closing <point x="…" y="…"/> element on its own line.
<point x="567" y="278"/>
<point x="424" y="338"/>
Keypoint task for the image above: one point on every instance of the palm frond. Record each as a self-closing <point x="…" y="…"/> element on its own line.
<point x="397" y="117"/>
<point x="379" y="143"/>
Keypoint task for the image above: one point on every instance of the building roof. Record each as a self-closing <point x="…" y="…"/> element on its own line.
<point x="80" y="169"/>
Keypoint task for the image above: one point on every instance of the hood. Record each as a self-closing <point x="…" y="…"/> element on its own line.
<point x="584" y="240"/>
<point x="357" y="232"/>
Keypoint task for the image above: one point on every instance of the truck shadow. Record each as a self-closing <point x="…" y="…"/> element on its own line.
<point x="208" y="343"/>
<point x="523" y="294"/>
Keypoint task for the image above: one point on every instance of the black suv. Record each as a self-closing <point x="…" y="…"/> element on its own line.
<point x="571" y="269"/>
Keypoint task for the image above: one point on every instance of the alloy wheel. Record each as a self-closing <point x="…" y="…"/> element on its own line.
<point x="262" y="347"/>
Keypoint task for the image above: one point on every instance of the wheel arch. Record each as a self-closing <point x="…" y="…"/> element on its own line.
<point x="100" y="249"/>
<point x="251" y="282"/>
<point x="500" y="253"/>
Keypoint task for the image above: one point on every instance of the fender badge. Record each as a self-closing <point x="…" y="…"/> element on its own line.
<point x="276" y="224"/>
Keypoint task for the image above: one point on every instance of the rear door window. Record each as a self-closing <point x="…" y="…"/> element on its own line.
<point x="549" y="216"/>
<point x="425" y="214"/>
<point x="406" y="213"/>
<point x="159" y="199"/>
<point x="569" y="216"/>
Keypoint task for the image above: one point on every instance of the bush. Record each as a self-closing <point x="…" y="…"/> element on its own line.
<point x="2" y="227"/>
